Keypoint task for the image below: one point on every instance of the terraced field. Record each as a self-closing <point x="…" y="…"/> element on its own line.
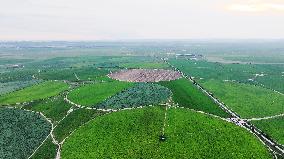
<point x="135" y="134"/>
<point x="21" y="132"/>
<point x="40" y="91"/>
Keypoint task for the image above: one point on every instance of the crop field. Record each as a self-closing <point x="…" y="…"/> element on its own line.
<point x="54" y="108"/>
<point x="77" y="74"/>
<point x="13" y="86"/>
<point x="247" y="100"/>
<point x="90" y="95"/>
<point x="135" y="134"/>
<point x="40" y="91"/>
<point x="77" y="118"/>
<point x="46" y="150"/>
<point x="143" y="94"/>
<point x="188" y="96"/>
<point x="21" y="132"/>
<point x="156" y="99"/>
<point x="145" y="65"/>
<point x="272" y="127"/>
<point x="269" y="76"/>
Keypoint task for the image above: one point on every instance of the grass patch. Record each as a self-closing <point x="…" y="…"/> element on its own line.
<point x="40" y="91"/>
<point x="248" y="101"/>
<point x="90" y="95"/>
<point x="189" y="96"/>
<point x="46" y="151"/>
<point x="75" y="119"/>
<point x="21" y="132"/>
<point x="272" y="127"/>
<point x="54" y="108"/>
<point x="145" y="65"/>
<point x="135" y="134"/>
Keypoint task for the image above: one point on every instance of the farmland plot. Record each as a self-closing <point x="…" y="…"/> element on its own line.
<point x="40" y="91"/>
<point x="189" y="96"/>
<point x="54" y="108"/>
<point x="21" y="132"/>
<point x="142" y="94"/>
<point x="135" y="134"/>
<point x="273" y="128"/>
<point x="247" y="100"/>
<point x="16" y="85"/>
<point x="93" y="94"/>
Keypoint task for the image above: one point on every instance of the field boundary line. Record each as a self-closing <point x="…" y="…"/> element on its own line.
<point x="265" y="118"/>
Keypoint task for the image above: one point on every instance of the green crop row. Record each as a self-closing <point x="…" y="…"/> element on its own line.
<point x="142" y="94"/>
<point x="189" y="96"/>
<point x="93" y="94"/>
<point x="137" y="134"/>
<point x="21" y="132"/>
<point x="40" y="91"/>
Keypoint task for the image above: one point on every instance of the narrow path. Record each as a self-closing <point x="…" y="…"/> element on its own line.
<point x="265" y="118"/>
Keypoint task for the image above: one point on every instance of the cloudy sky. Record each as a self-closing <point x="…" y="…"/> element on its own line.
<point x="140" y="19"/>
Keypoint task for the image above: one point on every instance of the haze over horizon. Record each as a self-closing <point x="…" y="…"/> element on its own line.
<point x="137" y="19"/>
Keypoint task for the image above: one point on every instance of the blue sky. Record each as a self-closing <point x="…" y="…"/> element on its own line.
<point x="140" y="19"/>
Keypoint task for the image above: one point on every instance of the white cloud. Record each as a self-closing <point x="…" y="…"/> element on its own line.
<point x="119" y="19"/>
<point x="257" y="6"/>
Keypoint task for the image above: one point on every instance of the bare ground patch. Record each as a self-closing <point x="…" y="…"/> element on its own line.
<point x="145" y="75"/>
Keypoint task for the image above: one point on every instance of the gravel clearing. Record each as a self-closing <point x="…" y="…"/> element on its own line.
<point x="145" y="75"/>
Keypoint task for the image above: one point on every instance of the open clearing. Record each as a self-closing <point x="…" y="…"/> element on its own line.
<point x="135" y="134"/>
<point x="21" y="132"/>
<point x="145" y="75"/>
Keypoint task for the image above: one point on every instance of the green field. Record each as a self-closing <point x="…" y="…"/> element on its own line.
<point x="145" y="65"/>
<point x="141" y="94"/>
<point x="83" y="73"/>
<point x="54" y="108"/>
<point x="75" y="119"/>
<point x="46" y="151"/>
<point x="189" y="96"/>
<point x="16" y="85"/>
<point x="135" y="134"/>
<point x="248" y="101"/>
<point x="265" y="75"/>
<point x="21" y="132"/>
<point x="40" y="91"/>
<point x="273" y="128"/>
<point x="90" y="95"/>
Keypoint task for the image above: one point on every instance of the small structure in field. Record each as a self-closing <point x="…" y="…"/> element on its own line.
<point x="145" y="75"/>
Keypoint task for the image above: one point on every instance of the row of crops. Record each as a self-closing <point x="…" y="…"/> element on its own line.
<point x="142" y="94"/>
<point x="21" y="132"/>
<point x="135" y="134"/>
<point x="269" y="76"/>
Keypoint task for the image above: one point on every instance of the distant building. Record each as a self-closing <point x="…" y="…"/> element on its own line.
<point x="195" y="57"/>
<point x="16" y="66"/>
